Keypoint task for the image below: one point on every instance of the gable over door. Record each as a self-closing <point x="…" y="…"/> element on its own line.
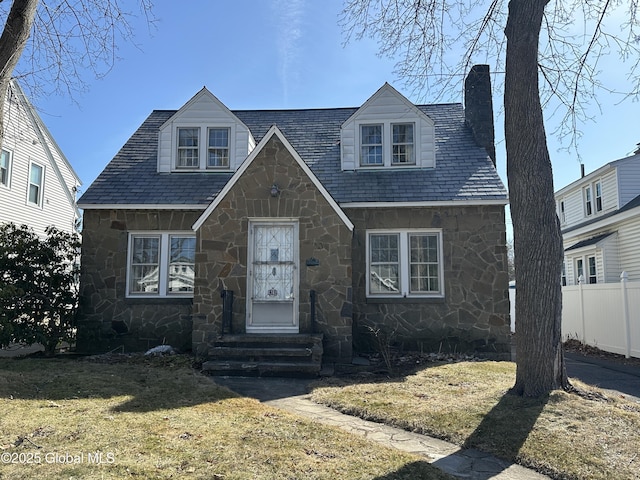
<point x="272" y="281"/>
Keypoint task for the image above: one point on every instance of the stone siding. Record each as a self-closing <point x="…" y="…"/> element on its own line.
<point x="107" y="319"/>
<point x="474" y="314"/>
<point x="222" y="248"/>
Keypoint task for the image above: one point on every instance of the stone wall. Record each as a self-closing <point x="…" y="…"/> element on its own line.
<point x="474" y="314"/>
<point x="221" y="252"/>
<point x="107" y="319"/>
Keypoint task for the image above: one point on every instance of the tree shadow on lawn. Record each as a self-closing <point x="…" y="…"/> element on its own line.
<point x="149" y="385"/>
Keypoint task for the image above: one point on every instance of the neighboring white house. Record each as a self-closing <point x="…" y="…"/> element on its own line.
<point x="600" y="222"/>
<point x="37" y="183"/>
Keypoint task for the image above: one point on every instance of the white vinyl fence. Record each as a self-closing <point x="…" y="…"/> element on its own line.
<point x="603" y="315"/>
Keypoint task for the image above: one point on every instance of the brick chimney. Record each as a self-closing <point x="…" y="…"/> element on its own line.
<point x="478" y="108"/>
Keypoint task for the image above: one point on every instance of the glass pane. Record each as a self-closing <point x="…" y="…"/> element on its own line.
<point x="34" y="194"/>
<point x="146" y="250"/>
<point x="403" y="133"/>
<point x="144" y="265"/>
<point x="182" y="257"/>
<point x="218" y="157"/>
<point x="384" y="279"/>
<point x="188" y="157"/>
<point x="384" y="248"/>
<point x="144" y="279"/>
<point x="371" y="155"/>
<point x="218" y="137"/>
<point x="36" y="174"/>
<point x="371" y="134"/>
<point x="187" y="137"/>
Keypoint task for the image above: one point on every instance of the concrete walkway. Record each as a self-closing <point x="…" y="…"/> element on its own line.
<point x="291" y="395"/>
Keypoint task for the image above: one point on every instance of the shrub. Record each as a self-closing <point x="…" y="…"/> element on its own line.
<point x="38" y="286"/>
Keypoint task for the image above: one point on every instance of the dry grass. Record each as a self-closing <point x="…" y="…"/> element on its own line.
<point x="158" y="419"/>
<point x="564" y="435"/>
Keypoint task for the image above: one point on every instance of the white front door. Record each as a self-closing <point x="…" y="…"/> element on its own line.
<point x="272" y="303"/>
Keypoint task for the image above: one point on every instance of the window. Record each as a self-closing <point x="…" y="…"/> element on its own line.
<point x="592" y="270"/>
<point x="598" y="189"/>
<point x="5" y="168"/>
<point x="404" y="263"/>
<point x="588" y="208"/>
<point x="36" y="177"/>
<point x="188" y="148"/>
<point x="402" y="147"/>
<point x="563" y="275"/>
<point x="218" y="148"/>
<point x="563" y="217"/>
<point x="579" y="270"/>
<point x="371" y="145"/>
<point x="161" y="264"/>
<point x="388" y="144"/>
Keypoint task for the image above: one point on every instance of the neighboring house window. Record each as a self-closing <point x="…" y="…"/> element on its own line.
<point x="218" y="148"/>
<point x="371" y="145"/>
<point x="563" y="275"/>
<point x="188" y="148"/>
<point x="598" y="189"/>
<point x="404" y="263"/>
<point x="588" y="206"/>
<point x="592" y="270"/>
<point x="402" y="146"/>
<point x="36" y="178"/>
<point x="161" y="264"/>
<point x="579" y="270"/>
<point x="563" y="217"/>
<point x="5" y="168"/>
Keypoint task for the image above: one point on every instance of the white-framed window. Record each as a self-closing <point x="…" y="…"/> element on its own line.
<point x="371" y="145"/>
<point x="5" y="168"/>
<point x="403" y="152"/>
<point x="598" y="196"/>
<point x="563" y="275"/>
<point x="579" y="270"/>
<point x="36" y="182"/>
<point x="592" y="272"/>
<point x="563" y="215"/>
<point x="387" y="144"/>
<point x="218" y="148"/>
<point x="161" y="264"/>
<point x="404" y="263"/>
<point x="188" y="148"/>
<point x="588" y="202"/>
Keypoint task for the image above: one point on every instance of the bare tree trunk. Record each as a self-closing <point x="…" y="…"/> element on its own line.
<point x="536" y="231"/>
<point x="12" y="42"/>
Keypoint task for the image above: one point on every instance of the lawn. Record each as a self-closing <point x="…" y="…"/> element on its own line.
<point x="134" y="417"/>
<point x="565" y="435"/>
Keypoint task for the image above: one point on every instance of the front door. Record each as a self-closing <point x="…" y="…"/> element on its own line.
<point x="272" y="303"/>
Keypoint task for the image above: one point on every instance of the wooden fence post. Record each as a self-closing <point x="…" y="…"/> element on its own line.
<point x="624" y="276"/>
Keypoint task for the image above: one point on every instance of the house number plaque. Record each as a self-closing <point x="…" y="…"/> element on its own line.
<point x="272" y="292"/>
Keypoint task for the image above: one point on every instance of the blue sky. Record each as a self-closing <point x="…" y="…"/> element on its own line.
<point x="261" y="55"/>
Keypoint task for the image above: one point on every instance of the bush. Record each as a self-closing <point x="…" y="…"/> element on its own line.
<point x="38" y="286"/>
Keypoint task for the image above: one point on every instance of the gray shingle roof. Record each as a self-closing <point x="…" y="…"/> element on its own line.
<point x="463" y="170"/>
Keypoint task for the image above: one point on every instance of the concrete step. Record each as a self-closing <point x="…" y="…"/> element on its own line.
<point x="262" y="368"/>
<point x="265" y="355"/>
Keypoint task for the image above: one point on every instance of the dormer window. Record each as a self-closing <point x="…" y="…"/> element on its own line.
<point x="371" y="145"/>
<point x="188" y="148"/>
<point x="386" y="144"/>
<point x="218" y="148"/>
<point x="403" y="151"/>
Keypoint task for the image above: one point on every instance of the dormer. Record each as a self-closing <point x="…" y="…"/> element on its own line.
<point x="387" y="132"/>
<point x="203" y="136"/>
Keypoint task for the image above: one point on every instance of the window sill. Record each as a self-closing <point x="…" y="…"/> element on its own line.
<point x="177" y="300"/>
<point x="405" y="300"/>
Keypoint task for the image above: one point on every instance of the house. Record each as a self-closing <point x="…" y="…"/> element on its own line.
<point x="37" y="183"/>
<point x="215" y="229"/>
<point x="600" y="222"/>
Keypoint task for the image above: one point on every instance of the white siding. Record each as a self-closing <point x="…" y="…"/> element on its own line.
<point x="629" y="248"/>
<point x="629" y="174"/>
<point x="204" y="111"/>
<point x="611" y="259"/>
<point x="573" y="208"/>
<point x="387" y="106"/>
<point x="574" y="200"/>
<point x="25" y="141"/>
<point x="609" y="191"/>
